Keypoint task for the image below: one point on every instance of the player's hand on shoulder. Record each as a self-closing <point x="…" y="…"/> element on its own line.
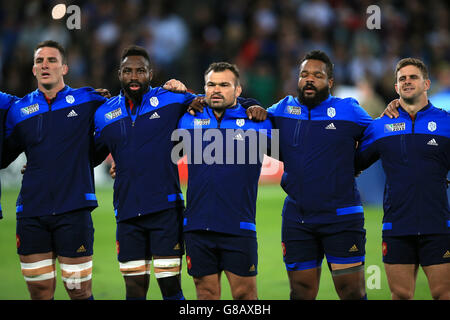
<point x="104" y="92"/>
<point x="391" y="110"/>
<point x="196" y="105"/>
<point x="175" y="86"/>
<point x="256" y="113"/>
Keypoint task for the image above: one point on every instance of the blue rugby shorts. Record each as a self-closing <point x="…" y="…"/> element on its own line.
<point x="213" y="252"/>
<point x="153" y="234"/>
<point x="69" y="234"/>
<point x="304" y="245"/>
<point x="425" y="250"/>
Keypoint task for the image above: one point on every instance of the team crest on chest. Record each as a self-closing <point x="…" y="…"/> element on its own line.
<point x="240" y="122"/>
<point x="70" y="99"/>
<point x="331" y="112"/>
<point x="154" y="101"/>
<point x="432" y="126"/>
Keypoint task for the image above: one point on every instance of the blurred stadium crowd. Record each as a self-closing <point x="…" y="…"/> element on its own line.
<point x="265" y="38"/>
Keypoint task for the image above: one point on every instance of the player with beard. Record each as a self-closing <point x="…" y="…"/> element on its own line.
<point x="136" y="128"/>
<point x="220" y="217"/>
<point x="322" y="213"/>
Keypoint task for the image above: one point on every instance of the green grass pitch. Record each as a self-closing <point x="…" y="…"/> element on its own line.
<point x="272" y="278"/>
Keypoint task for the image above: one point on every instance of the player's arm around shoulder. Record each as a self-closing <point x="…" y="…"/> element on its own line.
<point x="357" y="113"/>
<point x="367" y="151"/>
<point x="103" y="114"/>
<point x="279" y="107"/>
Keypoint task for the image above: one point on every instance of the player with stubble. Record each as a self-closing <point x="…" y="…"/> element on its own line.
<point x="414" y="149"/>
<point x="53" y="125"/>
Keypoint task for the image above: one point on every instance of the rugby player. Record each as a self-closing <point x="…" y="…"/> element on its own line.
<point x="219" y="221"/>
<point x="322" y="213"/>
<point x="136" y="128"/>
<point x="53" y="126"/>
<point x="414" y="149"/>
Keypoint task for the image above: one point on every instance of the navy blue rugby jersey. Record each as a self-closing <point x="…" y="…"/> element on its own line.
<point x="146" y="178"/>
<point x="415" y="156"/>
<point x="5" y="102"/>
<point x="58" y="142"/>
<point x="317" y="147"/>
<point x="224" y="164"/>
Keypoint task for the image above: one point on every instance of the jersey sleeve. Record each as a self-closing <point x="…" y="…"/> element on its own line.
<point x="97" y="96"/>
<point x="6" y="100"/>
<point x="248" y="102"/>
<point x="367" y="152"/>
<point x="359" y="115"/>
<point x="101" y="149"/>
<point x="12" y="146"/>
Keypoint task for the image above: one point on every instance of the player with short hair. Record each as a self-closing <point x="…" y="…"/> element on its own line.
<point x="322" y="213"/>
<point x="53" y="126"/>
<point x="219" y="221"/>
<point x="415" y="153"/>
<point x="135" y="127"/>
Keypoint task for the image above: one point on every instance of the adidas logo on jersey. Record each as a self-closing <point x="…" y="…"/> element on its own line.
<point x="330" y="126"/>
<point x="238" y="137"/>
<point x="354" y="248"/>
<point x="432" y="142"/>
<point x="155" y="116"/>
<point x="81" y="249"/>
<point x="72" y="114"/>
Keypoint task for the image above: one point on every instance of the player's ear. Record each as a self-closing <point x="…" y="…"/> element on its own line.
<point x="238" y="91"/>
<point x="65" y="69"/>
<point x="427" y="84"/>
